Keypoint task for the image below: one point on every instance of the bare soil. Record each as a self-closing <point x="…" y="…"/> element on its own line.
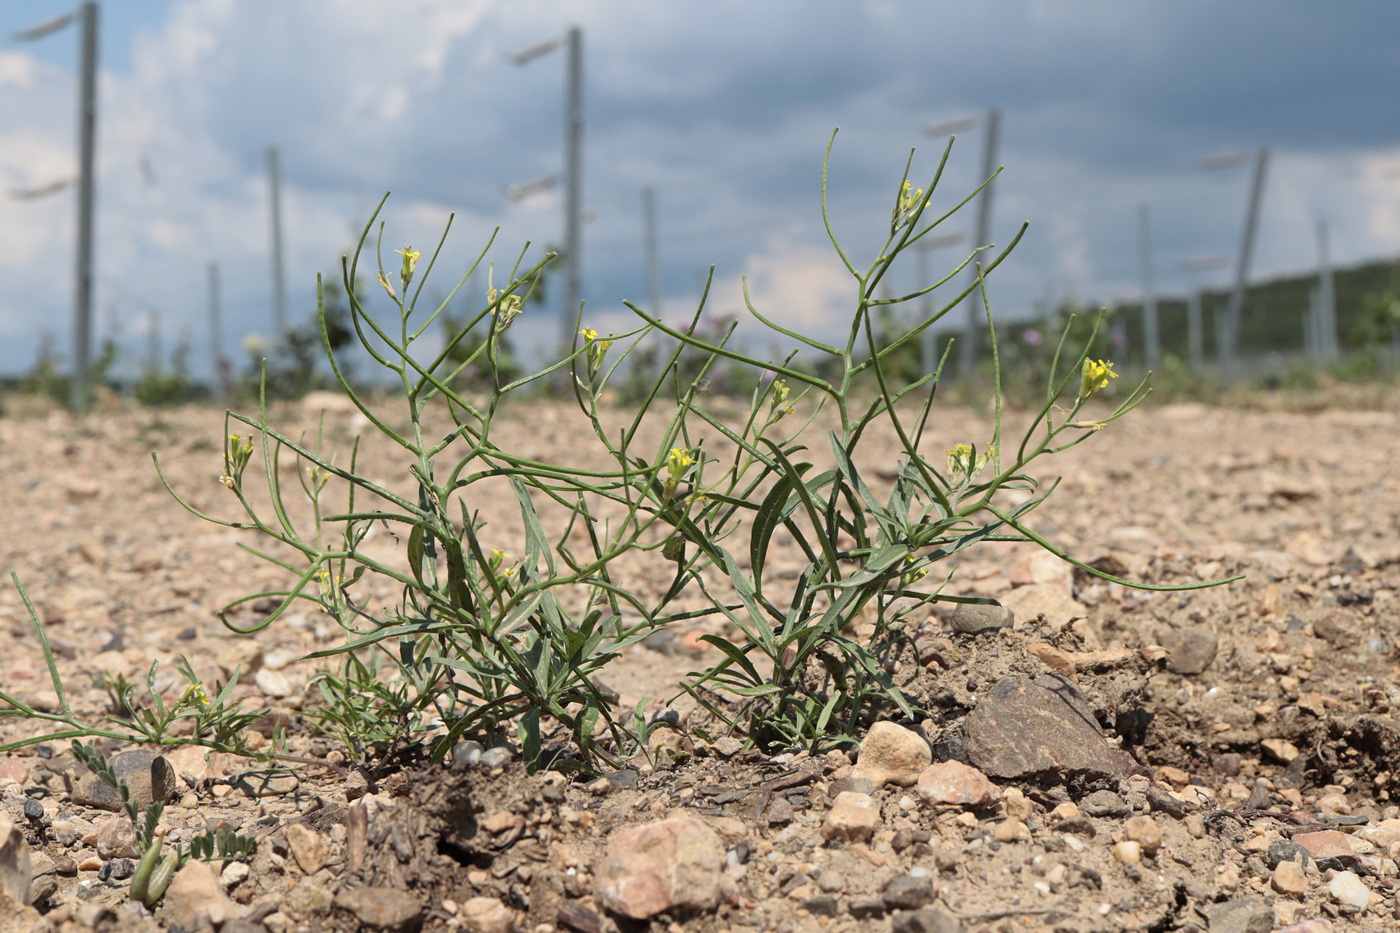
<point x="1254" y="712"/>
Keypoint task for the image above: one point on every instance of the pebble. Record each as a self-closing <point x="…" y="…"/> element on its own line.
<point x="974" y="618"/>
<point x="1104" y="803"/>
<point x="1327" y="843"/>
<point x="1009" y="831"/>
<point x="1349" y="890"/>
<point x="1144" y="831"/>
<point x="1242" y="915"/>
<point x="952" y="783"/>
<point x="852" y="818"/>
<point x="672" y="864"/>
<point x="16" y="863"/>
<point x="1285" y="850"/>
<point x="892" y="754"/>
<point x="1280" y="750"/>
<point x="1189" y="650"/>
<point x="391" y="909"/>
<point x="925" y="920"/>
<point x="1314" y="925"/>
<point x="307" y="846"/>
<point x="116" y="838"/>
<point x="907" y="893"/>
<point x="234" y="874"/>
<point x="497" y="757"/>
<point x="1289" y="878"/>
<point x="273" y="782"/>
<point x="273" y="683"/>
<point x="1129" y="853"/>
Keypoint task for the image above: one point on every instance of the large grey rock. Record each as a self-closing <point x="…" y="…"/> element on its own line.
<point x="1041" y="729"/>
<point x="148" y="775"/>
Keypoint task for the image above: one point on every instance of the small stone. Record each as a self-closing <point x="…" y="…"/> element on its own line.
<point x="1008" y="831"/>
<point x="308" y="901"/>
<point x="892" y="754"/>
<point x="852" y="818"/>
<point x="497" y="757"/>
<point x="1280" y="750"/>
<point x="925" y="920"/>
<point x="976" y="618"/>
<point x="234" y="874"/>
<point x="16" y="863"/>
<point x="273" y="782"/>
<point x="1104" y="803"/>
<point x="866" y="909"/>
<point x="1285" y="850"/>
<point x="308" y="847"/>
<point x="850" y="783"/>
<point x="391" y="909"/>
<point x="13" y="771"/>
<point x="1175" y="778"/>
<point x="1242" y="915"/>
<point x="832" y="882"/>
<point x="1349" y="890"/>
<point x="273" y="683"/>
<point x="1327" y="843"/>
<point x="823" y="905"/>
<point x="1129" y="853"/>
<point x="672" y="864"/>
<point x="1313" y="925"/>
<point x="148" y="776"/>
<point x="195" y="899"/>
<point x="952" y="783"/>
<point x="116" y="838"/>
<point x="1288" y="878"/>
<point x="908" y="893"/>
<point x="1189" y="650"/>
<point x="1144" y="831"/>
<point x="1016" y="805"/>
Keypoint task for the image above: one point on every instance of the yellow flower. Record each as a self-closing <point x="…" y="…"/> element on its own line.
<point x="678" y="461"/>
<point x="964" y="463"/>
<point x="508" y="307"/>
<point x="596" y="349"/>
<point x="195" y="693"/>
<point x="1095" y="377"/>
<point x="237" y="453"/>
<point x="909" y="202"/>
<point x="384" y="283"/>
<point x="410" y="261"/>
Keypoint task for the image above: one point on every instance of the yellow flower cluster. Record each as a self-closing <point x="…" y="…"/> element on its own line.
<point x="237" y="452"/>
<point x="910" y="202"/>
<point x="1095" y="377"/>
<point x="595" y="349"/>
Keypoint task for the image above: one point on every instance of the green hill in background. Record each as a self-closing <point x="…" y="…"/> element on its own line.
<point x="1275" y="314"/>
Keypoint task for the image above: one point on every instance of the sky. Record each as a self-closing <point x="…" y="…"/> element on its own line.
<point x="723" y="108"/>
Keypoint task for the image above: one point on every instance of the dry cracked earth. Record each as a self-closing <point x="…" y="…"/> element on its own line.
<point x="1116" y="759"/>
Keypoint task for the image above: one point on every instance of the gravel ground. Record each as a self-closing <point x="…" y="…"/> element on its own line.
<point x="1117" y="759"/>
